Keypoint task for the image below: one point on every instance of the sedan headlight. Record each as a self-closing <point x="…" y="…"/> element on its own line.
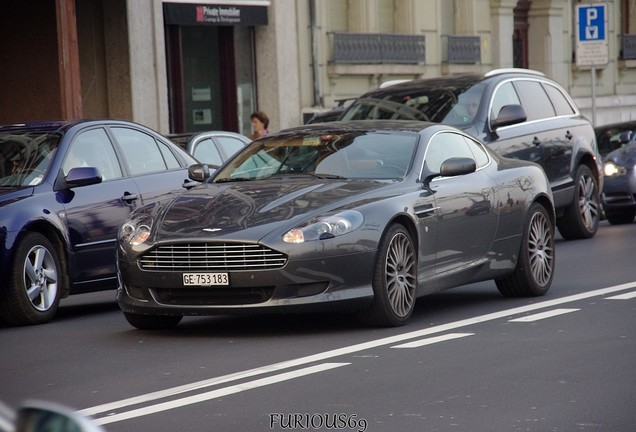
<point x="610" y="169"/>
<point x="325" y="227"/>
<point x="136" y="230"/>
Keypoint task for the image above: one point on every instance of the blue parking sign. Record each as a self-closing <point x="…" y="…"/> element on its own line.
<point x="592" y="47"/>
<point x="591" y="21"/>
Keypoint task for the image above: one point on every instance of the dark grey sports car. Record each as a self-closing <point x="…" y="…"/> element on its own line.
<point x="359" y="216"/>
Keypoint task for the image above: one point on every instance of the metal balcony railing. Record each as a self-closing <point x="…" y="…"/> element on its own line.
<point x="461" y="49"/>
<point x="628" y="47"/>
<point x="378" y="48"/>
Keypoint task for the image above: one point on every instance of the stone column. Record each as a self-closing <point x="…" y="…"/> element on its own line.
<point x="277" y="66"/>
<point x="502" y="31"/>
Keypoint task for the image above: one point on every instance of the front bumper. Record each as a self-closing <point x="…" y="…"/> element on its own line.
<point x="322" y="283"/>
<point x="619" y="193"/>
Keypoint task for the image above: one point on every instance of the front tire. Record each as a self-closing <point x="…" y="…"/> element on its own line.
<point x="534" y="271"/>
<point x="394" y="279"/>
<point x="582" y="217"/>
<point x="152" y="322"/>
<point x="33" y="291"/>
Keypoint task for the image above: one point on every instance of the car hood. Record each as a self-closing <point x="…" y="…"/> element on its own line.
<point x="9" y="195"/>
<point x="623" y="156"/>
<point x="257" y="208"/>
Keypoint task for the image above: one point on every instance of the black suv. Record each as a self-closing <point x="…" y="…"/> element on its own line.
<point x="520" y="114"/>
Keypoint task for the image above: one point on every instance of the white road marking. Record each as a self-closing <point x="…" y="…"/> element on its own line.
<point x="350" y="349"/>
<point x="543" y="315"/>
<point x="429" y="341"/>
<point x="626" y="296"/>
<point x="214" y="394"/>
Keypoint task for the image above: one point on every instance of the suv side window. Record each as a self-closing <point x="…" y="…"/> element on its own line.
<point x="504" y="95"/>
<point x="535" y="100"/>
<point x="559" y="100"/>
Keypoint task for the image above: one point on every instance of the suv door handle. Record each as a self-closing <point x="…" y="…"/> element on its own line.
<point x="128" y="197"/>
<point x="569" y="135"/>
<point x="536" y="141"/>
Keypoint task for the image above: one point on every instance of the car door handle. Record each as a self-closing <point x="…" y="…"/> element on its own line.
<point x="569" y="135"/>
<point x="128" y="197"/>
<point x="536" y="141"/>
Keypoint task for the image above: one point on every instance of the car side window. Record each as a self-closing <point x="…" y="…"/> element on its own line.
<point x="504" y="95"/>
<point x="93" y="148"/>
<point x="560" y="102"/>
<point x="478" y="151"/>
<point x="446" y="145"/>
<point x="141" y="151"/>
<point x="535" y="100"/>
<point x="206" y="152"/>
<point x="229" y="145"/>
<point x="168" y="157"/>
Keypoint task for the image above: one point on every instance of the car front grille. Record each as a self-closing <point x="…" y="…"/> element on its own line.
<point x="212" y="257"/>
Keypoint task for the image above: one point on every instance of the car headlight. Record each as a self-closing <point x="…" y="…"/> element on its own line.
<point x="136" y="230"/>
<point x="325" y="227"/>
<point x="610" y="169"/>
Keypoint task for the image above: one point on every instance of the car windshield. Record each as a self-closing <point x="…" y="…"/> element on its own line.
<point x="25" y="157"/>
<point x="450" y="104"/>
<point x="360" y="155"/>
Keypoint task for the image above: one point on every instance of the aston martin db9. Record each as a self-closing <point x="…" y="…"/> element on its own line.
<point x="357" y="216"/>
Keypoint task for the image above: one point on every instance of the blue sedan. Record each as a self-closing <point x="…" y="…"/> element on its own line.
<point x="65" y="188"/>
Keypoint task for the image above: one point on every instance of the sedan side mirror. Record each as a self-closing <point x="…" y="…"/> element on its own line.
<point x="83" y="176"/>
<point x="201" y="172"/>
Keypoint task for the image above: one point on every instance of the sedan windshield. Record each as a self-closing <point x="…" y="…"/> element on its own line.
<point x="349" y="155"/>
<point x="25" y="157"/>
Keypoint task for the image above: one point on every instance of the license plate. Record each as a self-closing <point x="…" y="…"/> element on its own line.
<point x="205" y="279"/>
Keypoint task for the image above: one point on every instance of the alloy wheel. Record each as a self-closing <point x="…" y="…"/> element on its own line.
<point x="540" y="248"/>
<point x="400" y="275"/>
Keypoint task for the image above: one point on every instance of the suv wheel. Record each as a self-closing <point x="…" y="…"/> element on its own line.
<point x="582" y="217"/>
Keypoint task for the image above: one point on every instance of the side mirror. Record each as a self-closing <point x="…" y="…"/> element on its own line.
<point x="201" y="172"/>
<point x="452" y="167"/>
<point x="509" y="115"/>
<point x="457" y="166"/>
<point x="38" y="416"/>
<point x="83" y="176"/>
<point x="625" y="137"/>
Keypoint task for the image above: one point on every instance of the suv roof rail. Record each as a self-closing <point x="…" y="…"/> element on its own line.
<point x="513" y="70"/>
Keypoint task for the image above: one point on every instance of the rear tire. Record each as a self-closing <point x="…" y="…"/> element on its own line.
<point x="582" y="217"/>
<point x="32" y="294"/>
<point x="534" y="271"/>
<point x="152" y="322"/>
<point x="394" y="279"/>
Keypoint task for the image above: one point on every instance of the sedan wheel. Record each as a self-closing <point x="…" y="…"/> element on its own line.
<point x="581" y="219"/>
<point x="535" y="268"/>
<point x="34" y="289"/>
<point x="394" y="279"/>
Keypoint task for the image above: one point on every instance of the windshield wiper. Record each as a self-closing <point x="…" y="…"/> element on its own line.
<point x="314" y="175"/>
<point x="230" y="179"/>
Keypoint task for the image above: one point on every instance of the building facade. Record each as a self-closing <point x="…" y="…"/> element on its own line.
<point x="185" y="66"/>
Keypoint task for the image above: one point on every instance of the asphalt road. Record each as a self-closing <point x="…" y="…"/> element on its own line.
<point x="468" y="360"/>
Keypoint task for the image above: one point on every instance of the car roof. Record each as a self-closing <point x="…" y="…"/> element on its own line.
<point x="463" y="80"/>
<point x="359" y="126"/>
